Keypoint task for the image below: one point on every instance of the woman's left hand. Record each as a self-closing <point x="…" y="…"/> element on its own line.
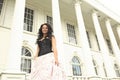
<point x="57" y="62"/>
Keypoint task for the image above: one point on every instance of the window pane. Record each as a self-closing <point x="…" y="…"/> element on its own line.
<point x="104" y="70"/>
<point x="95" y="67"/>
<point x="1" y="1"/>
<point x="97" y="42"/>
<point x="26" y="60"/>
<point x="71" y="34"/>
<point x="117" y="70"/>
<point x="76" y="66"/>
<point x="109" y="46"/>
<point x="89" y="39"/>
<point x="1" y="5"/>
<point x="50" y="20"/>
<point x="28" y="19"/>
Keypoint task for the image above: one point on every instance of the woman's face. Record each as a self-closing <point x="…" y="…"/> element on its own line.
<point x="44" y="29"/>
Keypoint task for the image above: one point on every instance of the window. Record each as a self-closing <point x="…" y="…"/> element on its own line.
<point x="1" y="5"/>
<point x="71" y="34"/>
<point x="104" y="69"/>
<point x="117" y="70"/>
<point x="95" y="67"/>
<point x="97" y="42"/>
<point x="26" y="60"/>
<point x="109" y="46"/>
<point x="28" y="19"/>
<point x="76" y="66"/>
<point x="50" y="20"/>
<point x="89" y="39"/>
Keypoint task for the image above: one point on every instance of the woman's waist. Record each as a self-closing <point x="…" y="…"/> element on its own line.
<point x="41" y="53"/>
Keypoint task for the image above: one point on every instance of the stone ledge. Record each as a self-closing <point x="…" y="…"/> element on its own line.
<point x="17" y="73"/>
<point x="12" y="76"/>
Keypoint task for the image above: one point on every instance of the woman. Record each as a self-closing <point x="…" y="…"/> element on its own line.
<point x="46" y="56"/>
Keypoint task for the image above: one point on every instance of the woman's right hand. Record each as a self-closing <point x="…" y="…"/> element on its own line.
<point x="35" y="57"/>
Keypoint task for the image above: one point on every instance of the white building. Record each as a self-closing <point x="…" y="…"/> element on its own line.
<point x="87" y="33"/>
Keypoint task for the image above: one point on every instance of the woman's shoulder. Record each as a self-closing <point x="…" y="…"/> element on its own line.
<point x="53" y="36"/>
<point x="50" y="37"/>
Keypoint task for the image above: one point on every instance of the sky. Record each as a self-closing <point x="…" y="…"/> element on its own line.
<point x="113" y="5"/>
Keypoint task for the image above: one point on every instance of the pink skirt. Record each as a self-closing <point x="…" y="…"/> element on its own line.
<point x="44" y="68"/>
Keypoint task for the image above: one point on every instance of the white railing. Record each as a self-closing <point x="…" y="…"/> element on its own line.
<point x="91" y="78"/>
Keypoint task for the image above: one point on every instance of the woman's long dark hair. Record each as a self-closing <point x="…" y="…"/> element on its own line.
<point x="40" y="34"/>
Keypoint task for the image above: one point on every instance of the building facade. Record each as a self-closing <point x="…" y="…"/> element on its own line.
<point x="87" y="35"/>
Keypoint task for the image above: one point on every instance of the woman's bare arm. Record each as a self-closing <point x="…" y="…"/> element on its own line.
<point x="37" y="51"/>
<point x="55" y="50"/>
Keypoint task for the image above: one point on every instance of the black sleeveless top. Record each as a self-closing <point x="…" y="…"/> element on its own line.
<point x="45" y="46"/>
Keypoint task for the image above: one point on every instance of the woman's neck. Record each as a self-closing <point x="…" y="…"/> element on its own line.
<point x="44" y="35"/>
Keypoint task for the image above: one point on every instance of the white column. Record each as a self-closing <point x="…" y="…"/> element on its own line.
<point x="83" y="37"/>
<point x="118" y="30"/>
<point x="57" y="28"/>
<point x="93" y="41"/>
<point x="14" y="57"/>
<point x="113" y="41"/>
<point x="103" y="47"/>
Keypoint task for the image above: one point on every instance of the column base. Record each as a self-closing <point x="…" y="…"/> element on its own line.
<point x="12" y="76"/>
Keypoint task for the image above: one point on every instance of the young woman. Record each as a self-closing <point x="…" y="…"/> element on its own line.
<point x="46" y="56"/>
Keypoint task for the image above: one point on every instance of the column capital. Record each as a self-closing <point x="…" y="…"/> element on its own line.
<point x="107" y="19"/>
<point x="94" y="11"/>
<point x="118" y="25"/>
<point x="78" y="1"/>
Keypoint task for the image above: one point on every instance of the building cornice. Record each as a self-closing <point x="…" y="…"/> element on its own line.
<point x="103" y="9"/>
